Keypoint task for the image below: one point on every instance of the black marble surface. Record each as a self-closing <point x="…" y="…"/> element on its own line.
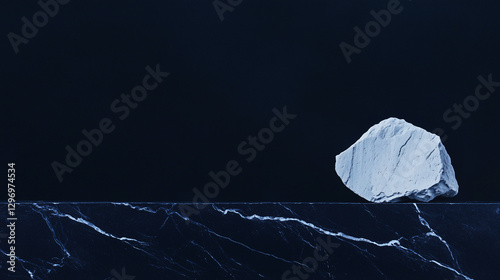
<point x="125" y="241"/>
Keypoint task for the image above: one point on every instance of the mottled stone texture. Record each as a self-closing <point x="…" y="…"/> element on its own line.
<point x="395" y="159"/>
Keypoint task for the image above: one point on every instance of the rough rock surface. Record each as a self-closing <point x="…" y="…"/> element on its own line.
<point x="395" y="159"/>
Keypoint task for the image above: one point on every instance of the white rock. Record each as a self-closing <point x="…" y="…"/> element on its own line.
<point x="395" y="159"/>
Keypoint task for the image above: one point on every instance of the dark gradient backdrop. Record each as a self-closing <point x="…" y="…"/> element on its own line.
<point x="225" y="79"/>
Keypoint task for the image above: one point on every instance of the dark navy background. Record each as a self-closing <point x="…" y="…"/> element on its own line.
<point x="226" y="77"/>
